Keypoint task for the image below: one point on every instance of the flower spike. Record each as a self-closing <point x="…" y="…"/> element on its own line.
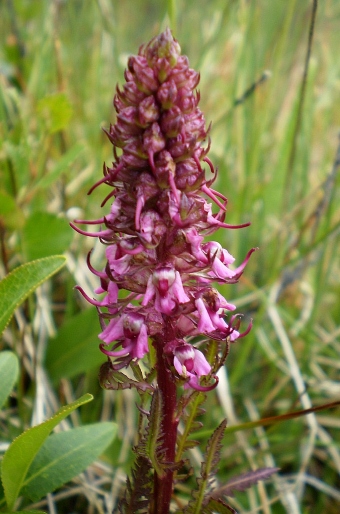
<point x="155" y="230"/>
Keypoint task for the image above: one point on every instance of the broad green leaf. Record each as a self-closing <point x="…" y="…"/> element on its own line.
<point x="62" y="166"/>
<point x="25" y="512"/>
<point x="56" y="110"/>
<point x="9" y="370"/>
<point x="45" y="234"/>
<point x="64" y="455"/>
<point x="22" y="281"/>
<point x="75" y="349"/>
<point x="24" y="448"/>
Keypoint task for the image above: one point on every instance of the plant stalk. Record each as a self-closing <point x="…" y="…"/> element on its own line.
<point x="163" y="485"/>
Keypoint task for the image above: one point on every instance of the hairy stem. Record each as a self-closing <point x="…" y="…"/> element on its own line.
<point x="163" y="485"/>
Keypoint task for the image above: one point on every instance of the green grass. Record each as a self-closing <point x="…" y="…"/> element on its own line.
<point x="59" y="65"/>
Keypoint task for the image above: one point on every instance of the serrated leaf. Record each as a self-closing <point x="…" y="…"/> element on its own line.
<point x="154" y="434"/>
<point x="208" y="468"/>
<point x="21" y="282"/>
<point x="138" y="490"/>
<point x="243" y="482"/>
<point x="64" y="455"/>
<point x="213" y="451"/>
<point x="45" y="234"/>
<point x="24" y="448"/>
<point x="9" y="371"/>
<point x="117" y="381"/>
<point x="193" y="409"/>
<point x="190" y="443"/>
<point x="137" y="372"/>
<point x="217" y="506"/>
<point x="75" y="349"/>
<point x="196" y="425"/>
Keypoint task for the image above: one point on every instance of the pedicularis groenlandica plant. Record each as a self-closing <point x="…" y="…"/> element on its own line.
<point x="161" y="314"/>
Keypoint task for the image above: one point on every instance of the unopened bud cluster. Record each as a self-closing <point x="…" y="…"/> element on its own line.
<point x="155" y="230"/>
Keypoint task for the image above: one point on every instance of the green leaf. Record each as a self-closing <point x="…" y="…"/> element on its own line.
<point x="64" y="455"/>
<point x="62" y="166"/>
<point x="9" y="371"/>
<point x="11" y="215"/>
<point x="192" y="410"/>
<point x="75" y="349"/>
<point x="217" y="506"/>
<point x="212" y="454"/>
<point x="24" y="448"/>
<point x="45" y="234"/>
<point x="21" y="282"/>
<point x="151" y="446"/>
<point x="56" y="110"/>
<point x="208" y="470"/>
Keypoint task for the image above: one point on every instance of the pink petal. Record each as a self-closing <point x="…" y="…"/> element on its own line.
<point x="178" y="290"/>
<point x="142" y="346"/>
<point x="150" y="291"/>
<point x="204" y="324"/>
<point x="201" y="365"/>
<point x="113" y="331"/>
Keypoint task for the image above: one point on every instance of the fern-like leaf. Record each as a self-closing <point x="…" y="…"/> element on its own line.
<point x="208" y="470"/>
<point x="189" y="412"/>
<point x="243" y="482"/>
<point x="110" y="378"/>
<point x="209" y="466"/>
<point x="217" y="506"/>
<point x="151" y="445"/>
<point x="138" y="490"/>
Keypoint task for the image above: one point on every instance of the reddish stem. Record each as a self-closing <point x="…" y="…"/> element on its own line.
<point x="163" y="486"/>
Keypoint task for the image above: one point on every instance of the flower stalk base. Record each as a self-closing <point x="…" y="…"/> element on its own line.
<point x="163" y="485"/>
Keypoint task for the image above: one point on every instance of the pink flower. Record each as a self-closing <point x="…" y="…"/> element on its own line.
<point x="191" y="364"/>
<point x="165" y="286"/>
<point x="210" y="313"/>
<point x="131" y="333"/>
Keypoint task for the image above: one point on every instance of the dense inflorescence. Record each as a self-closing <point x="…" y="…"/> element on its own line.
<point x="155" y="230"/>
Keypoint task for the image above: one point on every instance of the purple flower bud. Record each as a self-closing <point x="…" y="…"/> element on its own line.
<point x="148" y="111"/>
<point x="187" y="100"/>
<point x="172" y="122"/>
<point x="153" y="141"/>
<point x="128" y="115"/>
<point x="131" y="95"/>
<point x="152" y="228"/>
<point x="142" y="74"/>
<point x="164" y="168"/>
<point x="188" y="176"/>
<point x="167" y="94"/>
<point x="163" y="46"/>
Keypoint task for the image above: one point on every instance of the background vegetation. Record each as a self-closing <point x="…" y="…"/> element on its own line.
<point x="277" y="151"/>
